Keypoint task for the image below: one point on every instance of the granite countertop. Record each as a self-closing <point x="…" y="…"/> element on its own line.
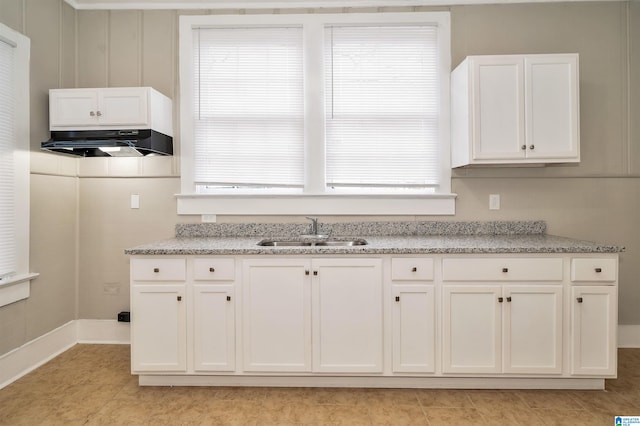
<point x="382" y="238"/>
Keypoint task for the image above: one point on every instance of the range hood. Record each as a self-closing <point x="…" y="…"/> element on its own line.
<point x="109" y="143"/>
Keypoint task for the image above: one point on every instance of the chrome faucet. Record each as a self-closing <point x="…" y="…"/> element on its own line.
<point x="314" y="225"/>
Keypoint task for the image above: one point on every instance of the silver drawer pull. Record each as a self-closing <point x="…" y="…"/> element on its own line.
<point x="156" y="270"/>
<point x="598" y="270"/>
<point x="505" y="270"/>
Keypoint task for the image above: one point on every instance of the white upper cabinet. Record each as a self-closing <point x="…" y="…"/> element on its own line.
<point x="99" y="108"/>
<point x="515" y="109"/>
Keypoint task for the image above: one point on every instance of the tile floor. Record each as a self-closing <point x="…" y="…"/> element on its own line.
<point x="91" y="384"/>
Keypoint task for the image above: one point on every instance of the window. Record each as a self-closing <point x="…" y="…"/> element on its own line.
<point x="381" y="93"/>
<point x="249" y="109"/>
<point x="321" y="114"/>
<point x="14" y="166"/>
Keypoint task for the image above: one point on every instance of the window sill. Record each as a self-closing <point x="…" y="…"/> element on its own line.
<point x="431" y="204"/>
<point x="16" y="288"/>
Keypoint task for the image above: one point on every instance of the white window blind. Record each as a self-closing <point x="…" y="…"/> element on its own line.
<point x="8" y="260"/>
<point x="382" y="92"/>
<point x="249" y="107"/>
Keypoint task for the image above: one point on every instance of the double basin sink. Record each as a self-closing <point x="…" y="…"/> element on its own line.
<point x="311" y="243"/>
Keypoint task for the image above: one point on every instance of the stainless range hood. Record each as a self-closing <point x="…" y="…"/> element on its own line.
<point x="109" y="143"/>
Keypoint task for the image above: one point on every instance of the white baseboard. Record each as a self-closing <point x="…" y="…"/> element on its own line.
<point x="103" y="331"/>
<point x="628" y="336"/>
<point x="33" y="354"/>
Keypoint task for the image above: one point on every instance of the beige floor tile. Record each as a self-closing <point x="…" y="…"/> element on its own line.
<point x="331" y="414"/>
<point x="386" y="414"/>
<point x="393" y="397"/>
<point x="552" y="400"/>
<point x="443" y="398"/>
<point x="503" y="407"/>
<point x="242" y="394"/>
<point x="337" y="396"/>
<point x="454" y="416"/>
<point x="569" y="417"/>
<point x="611" y="402"/>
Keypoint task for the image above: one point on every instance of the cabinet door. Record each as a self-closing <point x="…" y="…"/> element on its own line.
<point x="347" y="315"/>
<point x="472" y="340"/>
<point x="414" y="328"/>
<point x="123" y="107"/>
<point x="552" y="106"/>
<point x="277" y="315"/>
<point x="214" y="328"/>
<point x="158" y="328"/>
<point x="498" y="108"/>
<point x="594" y="320"/>
<point x="73" y="107"/>
<point x="533" y="329"/>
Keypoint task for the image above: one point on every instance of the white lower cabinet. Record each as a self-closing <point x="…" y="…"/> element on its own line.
<point x="533" y="329"/>
<point x="502" y="329"/>
<point x="214" y="328"/>
<point x="472" y="338"/>
<point x="347" y="315"/>
<point x="182" y="322"/>
<point x="414" y="329"/>
<point x="336" y="310"/>
<point x="358" y="321"/>
<point x="158" y="328"/>
<point x="594" y="319"/>
<point x="277" y="315"/>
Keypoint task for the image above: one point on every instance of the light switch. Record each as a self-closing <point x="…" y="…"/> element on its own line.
<point x="135" y="201"/>
<point x="494" y="201"/>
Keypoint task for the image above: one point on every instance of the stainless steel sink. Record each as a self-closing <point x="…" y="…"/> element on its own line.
<point x="283" y="243"/>
<point x="325" y="243"/>
<point x="340" y="243"/>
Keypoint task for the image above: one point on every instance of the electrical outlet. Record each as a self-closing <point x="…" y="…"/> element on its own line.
<point x="135" y="201"/>
<point x="494" y="201"/>
<point x="208" y="218"/>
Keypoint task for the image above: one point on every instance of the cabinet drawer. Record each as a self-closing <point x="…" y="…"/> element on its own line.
<point x="502" y="269"/>
<point x="158" y="269"/>
<point x="213" y="269"/>
<point x="596" y="269"/>
<point x="411" y="269"/>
